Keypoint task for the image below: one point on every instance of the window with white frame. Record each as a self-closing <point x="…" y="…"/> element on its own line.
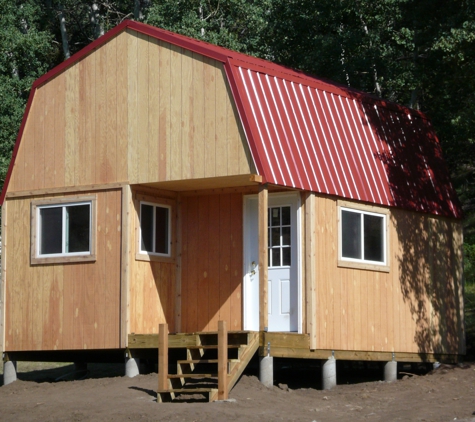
<point x="363" y="236"/>
<point x="155" y="229"/>
<point x="63" y="229"/>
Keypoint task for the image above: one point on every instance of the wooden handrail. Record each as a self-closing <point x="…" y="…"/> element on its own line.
<point x="222" y="361"/>
<point x="163" y="357"/>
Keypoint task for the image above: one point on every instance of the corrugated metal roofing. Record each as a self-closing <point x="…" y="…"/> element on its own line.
<point x="310" y="134"/>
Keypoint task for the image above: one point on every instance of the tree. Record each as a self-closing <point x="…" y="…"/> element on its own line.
<point x="235" y="24"/>
<point x="26" y="54"/>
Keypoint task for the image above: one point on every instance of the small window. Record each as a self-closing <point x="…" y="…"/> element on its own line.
<point x="155" y="229"/>
<point x="279" y="236"/>
<point x="362" y="237"/>
<point x="62" y="230"/>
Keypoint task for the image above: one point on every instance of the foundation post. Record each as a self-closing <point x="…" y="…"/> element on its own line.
<point x="266" y="369"/>
<point x="9" y="372"/>
<point x="131" y="365"/>
<point x="390" y="371"/>
<point x="329" y="373"/>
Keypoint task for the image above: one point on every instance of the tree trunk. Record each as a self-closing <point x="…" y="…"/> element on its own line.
<point x="95" y="20"/>
<point x="64" y="34"/>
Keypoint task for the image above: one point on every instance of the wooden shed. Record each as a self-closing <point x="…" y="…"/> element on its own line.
<point x="160" y="179"/>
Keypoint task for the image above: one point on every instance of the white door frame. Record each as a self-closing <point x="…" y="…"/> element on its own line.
<point x="251" y="268"/>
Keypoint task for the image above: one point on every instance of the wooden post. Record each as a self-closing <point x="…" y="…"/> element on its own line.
<point x="163" y="357"/>
<point x="263" y="267"/>
<point x="310" y="277"/>
<point x="222" y="361"/>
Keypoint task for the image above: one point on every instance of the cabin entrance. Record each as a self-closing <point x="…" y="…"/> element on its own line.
<point x="283" y="263"/>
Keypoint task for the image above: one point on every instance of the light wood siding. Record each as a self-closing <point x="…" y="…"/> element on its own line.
<point x="135" y="110"/>
<point x="183" y="123"/>
<point x="414" y="308"/>
<point x="211" y="284"/>
<point x="58" y="306"/>
<point x="152" y="283"/>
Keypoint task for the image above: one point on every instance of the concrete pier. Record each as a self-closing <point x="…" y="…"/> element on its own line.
<point x="132" y="367"/>
<point x="329" y="374"/>
<point x="390" y="371"/>
<point x="266" y="370"/>
<point x="9" y="372"/>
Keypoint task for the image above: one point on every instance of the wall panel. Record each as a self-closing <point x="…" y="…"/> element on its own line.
<point x="61" y="307"/>
<point x="415" y="307"/>
<point x="135" y="109"/>
<point x="211" y="262"/>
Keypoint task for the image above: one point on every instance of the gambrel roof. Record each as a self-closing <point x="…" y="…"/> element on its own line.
<point x="307" y="133"/>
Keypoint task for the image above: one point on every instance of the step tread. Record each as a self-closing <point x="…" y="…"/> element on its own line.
<point x="170" y="376"/>
<point x="187" y="390"/>
<point x="208" y="346"/>
<point x="204" y="361"/>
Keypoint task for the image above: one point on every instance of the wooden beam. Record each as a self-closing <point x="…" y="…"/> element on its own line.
<point x="65" y="189"/>
<point x="263" y="199"/>
<point x="222" y="361"/>
<point x="125" y="265"/>
<point x="150" y="341"/>
<point x="3" y="277"/>
<point x="178" y="251"/>
<point x="297" y="353"/>
<point x="163" y="357"/>
<point x="310" y="273"/>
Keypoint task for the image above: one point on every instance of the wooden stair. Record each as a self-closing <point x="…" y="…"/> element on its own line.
<point x="198" y="373"/>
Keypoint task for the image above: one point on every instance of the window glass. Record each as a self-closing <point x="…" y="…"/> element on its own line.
<point x="161" y="233"/>
<point x="155" y="229"/>
<point x="279" y="236"/>
<point x="363" y="236"/>
<point x="286" y="256"/>
<point x="146" y="227"/>
<point x="351" y="234"/>
<point x="51" y="224"/>
<point x="373" y="238"/>
<point x="64" y="229"/>
<point x="78" y="228"/>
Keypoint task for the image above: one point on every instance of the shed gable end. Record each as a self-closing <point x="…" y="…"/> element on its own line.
<point x="137" y="110"/>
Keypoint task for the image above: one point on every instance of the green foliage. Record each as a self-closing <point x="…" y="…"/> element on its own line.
<point x="235" y="24"/>
<point x="25" y="54"/>
<point x="469" y="263"/>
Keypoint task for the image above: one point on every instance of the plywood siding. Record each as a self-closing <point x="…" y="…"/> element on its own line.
<point x="413" y="308"/>
<point x="135" y="110"/>
<point x="183" y="123"/>
<point x="211" y="284"/>
<point x="57" y="306"/>
<point x="151" y="283"/>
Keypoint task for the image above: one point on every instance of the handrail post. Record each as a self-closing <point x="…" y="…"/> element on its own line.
<point x="222" y="361"/>
<point x="163" y="357"/>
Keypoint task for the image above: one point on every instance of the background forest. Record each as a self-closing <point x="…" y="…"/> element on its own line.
<point x="420" y="53"/>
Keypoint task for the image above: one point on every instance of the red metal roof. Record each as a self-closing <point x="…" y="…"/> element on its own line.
<point x="307" y="133"/>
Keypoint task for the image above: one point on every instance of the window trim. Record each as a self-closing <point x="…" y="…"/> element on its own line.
<point x="160" y="202"/>
<point x="37" y="205"/>
<point x="361" y="263"/>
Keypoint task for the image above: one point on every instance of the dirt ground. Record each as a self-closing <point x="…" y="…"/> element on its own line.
<point x="445" y="394"/>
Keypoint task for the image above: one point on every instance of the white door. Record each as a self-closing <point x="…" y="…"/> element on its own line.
<point x="283" y="268"/>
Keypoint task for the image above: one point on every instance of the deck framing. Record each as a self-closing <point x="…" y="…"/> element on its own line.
<point x="293" y="345"/>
